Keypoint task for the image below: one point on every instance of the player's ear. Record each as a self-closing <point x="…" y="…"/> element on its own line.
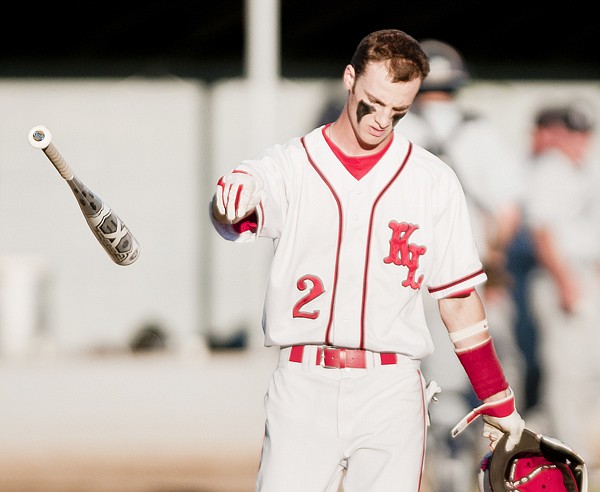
<point x="349" y="77"/>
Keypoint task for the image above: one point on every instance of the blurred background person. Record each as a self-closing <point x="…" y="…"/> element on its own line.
<point x="490" y="173"/>
<point x="562" y="210"/>
<point x="521" y="263"/>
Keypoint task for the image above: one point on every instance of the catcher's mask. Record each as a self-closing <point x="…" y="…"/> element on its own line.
<point x="536" y="463"/>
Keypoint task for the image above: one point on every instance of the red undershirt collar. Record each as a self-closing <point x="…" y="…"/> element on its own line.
<point x="357" y="166"/>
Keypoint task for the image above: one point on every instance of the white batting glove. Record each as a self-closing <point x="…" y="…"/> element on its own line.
<point x="499" y="417"/>
<point x="237" y="195"/>
<point x="431" y="390"/>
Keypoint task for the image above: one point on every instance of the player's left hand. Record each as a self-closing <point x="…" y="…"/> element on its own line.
<point x="499" y="417"/>
<point x="495" y="427"/>
<point x="237" y="195"/>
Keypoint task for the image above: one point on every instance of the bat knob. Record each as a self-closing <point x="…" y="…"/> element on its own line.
<point x="39" y="137"/>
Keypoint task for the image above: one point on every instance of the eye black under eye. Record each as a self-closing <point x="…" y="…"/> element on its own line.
<point x="397" y="117"/>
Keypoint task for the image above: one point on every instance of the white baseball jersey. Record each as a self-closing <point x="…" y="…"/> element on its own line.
<point x="352" y="257"/>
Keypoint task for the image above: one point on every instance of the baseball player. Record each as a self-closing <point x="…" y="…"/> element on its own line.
<point x="363" y="223"/>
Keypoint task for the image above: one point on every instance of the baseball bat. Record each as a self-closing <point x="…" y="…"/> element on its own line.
<point x="110" y="231"/>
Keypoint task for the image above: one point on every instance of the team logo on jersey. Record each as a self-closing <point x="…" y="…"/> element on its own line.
<point x="403" y="253"/>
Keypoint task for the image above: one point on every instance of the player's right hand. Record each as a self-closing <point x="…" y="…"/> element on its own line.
<point x="237" y="195"/>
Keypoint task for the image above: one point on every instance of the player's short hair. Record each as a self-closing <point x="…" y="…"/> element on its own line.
<point x="405" y="58"/>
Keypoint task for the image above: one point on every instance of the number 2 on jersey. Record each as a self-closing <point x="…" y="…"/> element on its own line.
<point x="315" y="291"/>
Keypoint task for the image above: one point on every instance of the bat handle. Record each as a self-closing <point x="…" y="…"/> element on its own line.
<point x="41" y="138"/>
<point x="61" y="165"/>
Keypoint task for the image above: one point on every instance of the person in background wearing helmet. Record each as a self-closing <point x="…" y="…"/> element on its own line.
<point x="491" y="177"/>
<point x="562" y="210"/>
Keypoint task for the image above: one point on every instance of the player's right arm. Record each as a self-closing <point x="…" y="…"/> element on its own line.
<point x="252" y="200"/>
<point x="236" y="197"/>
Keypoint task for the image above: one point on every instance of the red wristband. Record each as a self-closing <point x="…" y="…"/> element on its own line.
<point x="483" y="369"/>
<point x="250" y="223"/>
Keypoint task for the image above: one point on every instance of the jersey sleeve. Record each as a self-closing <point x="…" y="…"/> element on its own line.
<point x="457" y="265"/>
<point x="274" y="167"/>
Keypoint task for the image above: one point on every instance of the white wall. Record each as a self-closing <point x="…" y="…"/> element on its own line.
<point x="136" y="144"/>
<point x="512" y="104"/>
<point x="154" y="149"/>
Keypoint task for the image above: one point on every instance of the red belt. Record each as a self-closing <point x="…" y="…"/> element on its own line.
<point x="342" y="357"/>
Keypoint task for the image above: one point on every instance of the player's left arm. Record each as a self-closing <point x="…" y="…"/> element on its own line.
<point x="465" y="320"/>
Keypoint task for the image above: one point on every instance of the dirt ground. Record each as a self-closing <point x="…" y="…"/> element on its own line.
<point x="123" y="423"/>
<point x="160" y="423"/>
<point x="73" y="474"/>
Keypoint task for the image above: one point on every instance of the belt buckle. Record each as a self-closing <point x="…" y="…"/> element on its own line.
<point x="322" y="358"/>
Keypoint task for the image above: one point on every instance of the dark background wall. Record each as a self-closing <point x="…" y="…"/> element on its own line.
<point x="205" y="39"/>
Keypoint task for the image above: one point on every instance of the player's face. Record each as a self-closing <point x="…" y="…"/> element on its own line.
<point x="375" y="103"/>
